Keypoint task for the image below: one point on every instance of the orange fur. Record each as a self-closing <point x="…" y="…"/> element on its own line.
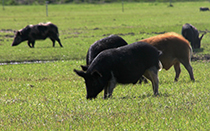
<point x="176" y="49"/>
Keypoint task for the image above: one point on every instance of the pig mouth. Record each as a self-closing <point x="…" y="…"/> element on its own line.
<point x="15" y="44"/>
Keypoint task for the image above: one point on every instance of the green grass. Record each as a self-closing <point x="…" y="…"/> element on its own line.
<point x="81" y="25"/>
<point x="50" y="96"/>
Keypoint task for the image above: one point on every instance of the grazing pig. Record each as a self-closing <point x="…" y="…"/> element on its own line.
<point x="123" y="65"/>
<point x="192" y="35"/>
<point x="112" y="41"/>
<point x="175" y="50"/>
<point x="37" y="32"/>
<point x="204" y="8"/>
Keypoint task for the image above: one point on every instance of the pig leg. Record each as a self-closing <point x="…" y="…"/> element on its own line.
<point x="31" y="42"/>
<point x="105" y="92"/>
<point x="59" y="42"/>
<point x="177" y="70"/>
<point x="190" y="71"/>
<point x="143" y="79"/>
<point x="110" y="87"/>
<point x="53" y="41"/>
<point x="55" y="37"/>
<point x="152" y="75"/>
<point x="188" y="67"/>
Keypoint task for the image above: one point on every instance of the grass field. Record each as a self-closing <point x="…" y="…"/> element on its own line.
<point x="81" y="25"/>
<point x="50" y="96"/>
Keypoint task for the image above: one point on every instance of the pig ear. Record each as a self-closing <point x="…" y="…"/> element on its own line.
<point x="202" y="36"/>
<point x="18" y="33"/>
<point x="80" y="73"/>
<point x="84" y="68"/>
<point x="96" y="73"/>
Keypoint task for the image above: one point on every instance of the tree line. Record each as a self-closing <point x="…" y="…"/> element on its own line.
<point x="31" y="2"/>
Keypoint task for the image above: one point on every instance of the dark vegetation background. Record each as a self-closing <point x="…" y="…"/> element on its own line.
<point x="31" y="2"/>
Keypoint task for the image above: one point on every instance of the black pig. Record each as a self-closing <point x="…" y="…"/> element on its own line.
<point x="37" y="32"/>
<point x="204" y="9"/>
<point x="112" y="41"/>
<point x="192" y="35"/>
<point x="123" y="65"/>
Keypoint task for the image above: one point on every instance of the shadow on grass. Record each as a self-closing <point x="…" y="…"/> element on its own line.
<point x="146" y="96"/>
<point x="49" y="47"/>
<point x="198" y="50"/>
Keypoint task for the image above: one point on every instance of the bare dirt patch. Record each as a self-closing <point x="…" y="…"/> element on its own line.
<point x="7" y="30"/>
<point x="205" y="57"/>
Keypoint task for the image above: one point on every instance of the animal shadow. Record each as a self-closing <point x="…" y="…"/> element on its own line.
<point x="198" y="50"/>
<point x="49" y="47"/>
<point x="166" y="94"/>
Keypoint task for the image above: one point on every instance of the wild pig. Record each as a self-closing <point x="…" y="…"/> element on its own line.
<point x="175" y="50"/>
<point x="37" y="32"/>
<point x="123" y="65"/>
<point x="192" y="35"/>
<point x="112" y="41"/>
<point x="204" y="9"/>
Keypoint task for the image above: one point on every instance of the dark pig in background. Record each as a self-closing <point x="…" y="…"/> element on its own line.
<point x="204" y="9"/>
<point x="192" y="35"/>
<point x="37" y="32"/>
<point x="112" y="41"/>
<point x="122" y="65"/>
